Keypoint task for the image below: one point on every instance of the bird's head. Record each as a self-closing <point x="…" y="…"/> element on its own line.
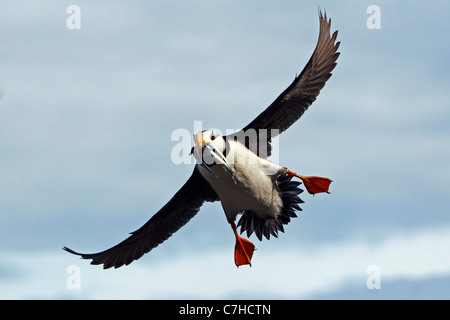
<point x="209" y="137"/>
<point x="209" y="149"/>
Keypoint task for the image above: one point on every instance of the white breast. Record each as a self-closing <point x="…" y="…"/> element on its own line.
<point x="250" y="186"/>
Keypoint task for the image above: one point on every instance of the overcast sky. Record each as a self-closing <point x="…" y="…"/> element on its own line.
<point x="86" y="118"/>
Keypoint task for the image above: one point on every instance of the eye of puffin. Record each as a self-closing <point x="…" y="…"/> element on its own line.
<point x="213" y="137"/>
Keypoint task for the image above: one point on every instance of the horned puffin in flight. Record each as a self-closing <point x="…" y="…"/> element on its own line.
<point x="234" y="170"/>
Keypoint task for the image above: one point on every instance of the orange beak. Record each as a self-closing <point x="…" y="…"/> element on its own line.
<point x="199" y="141"/>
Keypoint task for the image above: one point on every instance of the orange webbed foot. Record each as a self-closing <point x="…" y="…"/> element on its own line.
<point x="243" y="252"/>
<point x="243" y="249"/>
<point x="313" y="184"/>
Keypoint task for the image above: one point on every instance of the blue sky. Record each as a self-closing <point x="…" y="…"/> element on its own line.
<point x="86" y="118"/>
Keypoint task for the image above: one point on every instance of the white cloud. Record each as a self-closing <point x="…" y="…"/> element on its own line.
<point x="277" y="273"/>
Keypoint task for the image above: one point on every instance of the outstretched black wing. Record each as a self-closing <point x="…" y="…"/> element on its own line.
<point x="176" y="213"/>
<point x="293" y="102"/>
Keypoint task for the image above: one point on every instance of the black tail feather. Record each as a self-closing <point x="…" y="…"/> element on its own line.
<point x="289" y="192"/>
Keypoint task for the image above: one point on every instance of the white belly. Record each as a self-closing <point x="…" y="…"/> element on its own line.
<point x="250" y="186"/>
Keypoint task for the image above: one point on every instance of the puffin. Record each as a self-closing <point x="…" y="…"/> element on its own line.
<point x="235" y="170"/>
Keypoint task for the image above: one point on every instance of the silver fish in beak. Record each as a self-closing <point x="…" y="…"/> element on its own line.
<point x="214" y="156"/>
<point x="218" y="157"/>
